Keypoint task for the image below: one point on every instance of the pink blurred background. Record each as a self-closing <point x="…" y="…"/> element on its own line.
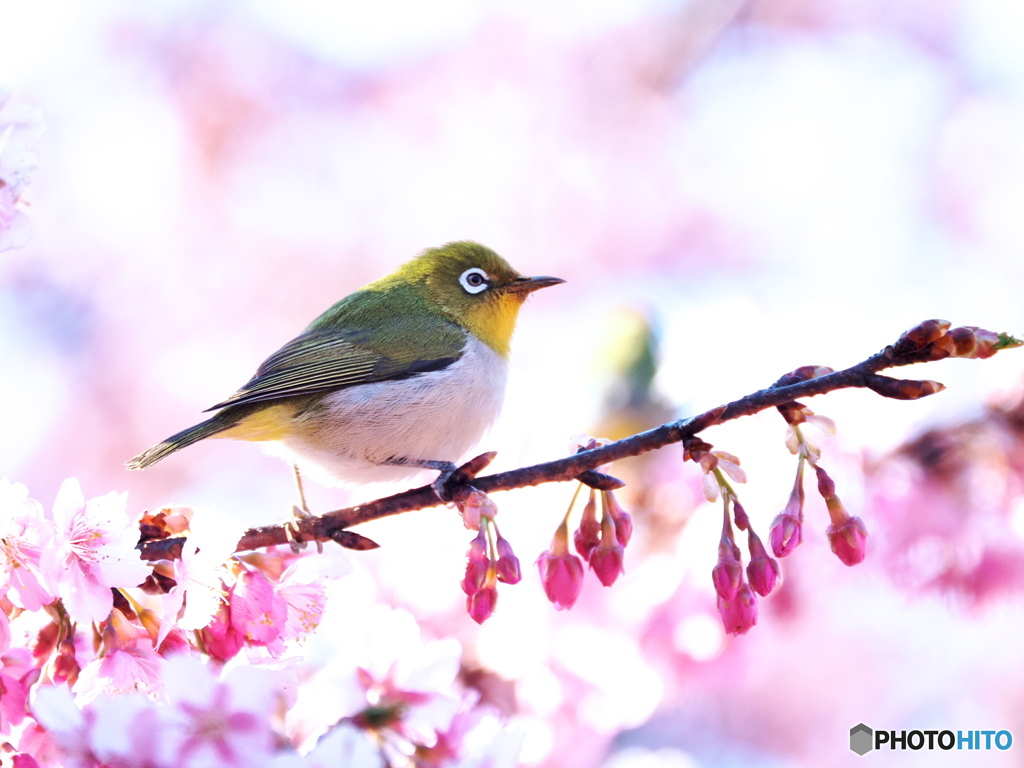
<point x="770" y="184"/>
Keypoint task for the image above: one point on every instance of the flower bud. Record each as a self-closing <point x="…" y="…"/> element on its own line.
<point x="826" y="485"/>
<point x="903" y="389"/>
<point x="621" y="518"/>
<point x="561" y="576"/>
<point x="476" y="505"/>
<point x="65" y="665"/>
<point x="923" y="334"/>
<point x="480" y="604"/>
<point x="606" y="560"/>
<point x="977" y="343"/>
<point x="739" y="514"/>
<point x="220" y="639"/>
<point x="507" y="565"/>
<point x="588" y="535"/>
<point x="849" y="540"/>
<point x="762" y="570"/>
<point x="727" y="574"/>
<point x="740" y="613"/>
<point x="785" y="534"/>
<point x="477" y="565"/>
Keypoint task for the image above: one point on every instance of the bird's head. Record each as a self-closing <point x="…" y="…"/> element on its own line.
<point x="474" y="287"/>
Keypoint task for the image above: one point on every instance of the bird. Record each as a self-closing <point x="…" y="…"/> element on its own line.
<point x="403" y="375"/>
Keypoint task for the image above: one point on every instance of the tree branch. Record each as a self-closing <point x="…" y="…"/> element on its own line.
<point x="928" y="341"/>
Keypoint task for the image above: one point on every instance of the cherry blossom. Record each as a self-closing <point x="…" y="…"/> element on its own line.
<point x="128" y="663"/>
<point x="199" y="574"/>
<point x="24" y="536"/>
<point x="94" y="551"/>
<point x="217" y="722"/>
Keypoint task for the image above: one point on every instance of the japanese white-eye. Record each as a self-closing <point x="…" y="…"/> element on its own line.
<point x="402" y="375"/>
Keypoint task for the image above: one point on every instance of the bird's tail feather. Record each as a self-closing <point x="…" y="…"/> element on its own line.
<point x="185" y="437"/>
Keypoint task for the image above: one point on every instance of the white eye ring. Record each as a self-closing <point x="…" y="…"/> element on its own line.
<point x="474" y="280"/>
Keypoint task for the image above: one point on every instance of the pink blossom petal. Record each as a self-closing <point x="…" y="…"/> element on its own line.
<point x="257" y="612"/>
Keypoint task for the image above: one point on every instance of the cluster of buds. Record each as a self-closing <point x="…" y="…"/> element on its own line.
<point x="490" y="558"/>
<point x="601" y="542"/>
<point x="737" y="596"/>
<point x="936" y="340"/>
<point x="846" y="534"/>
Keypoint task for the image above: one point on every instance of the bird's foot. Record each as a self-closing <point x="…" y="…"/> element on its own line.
<point x="294" y="534"/>
<point x="443" y="485"/>
<point x="452" y="482"/>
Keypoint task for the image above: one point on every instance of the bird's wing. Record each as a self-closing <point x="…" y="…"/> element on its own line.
<point x="325" y="359"/>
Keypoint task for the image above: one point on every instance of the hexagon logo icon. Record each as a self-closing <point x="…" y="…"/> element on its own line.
<point x="861" y="739"/>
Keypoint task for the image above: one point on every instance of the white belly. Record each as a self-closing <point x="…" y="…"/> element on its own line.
<point x="436" y="416"/>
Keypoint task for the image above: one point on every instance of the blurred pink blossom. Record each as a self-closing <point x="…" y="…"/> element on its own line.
<point x="24" y="536"/>
<point x="347" y="745"/>
<point x="213" y="722"/>
<point x="17" y="673"/>
<point x="94" y="551"/>
<point x="20" y="127"/>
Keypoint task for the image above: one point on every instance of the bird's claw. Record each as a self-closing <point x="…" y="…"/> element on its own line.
<point x="294" y="535"/>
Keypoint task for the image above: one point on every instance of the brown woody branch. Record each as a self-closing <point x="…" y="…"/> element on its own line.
<point x="931" y="340"/>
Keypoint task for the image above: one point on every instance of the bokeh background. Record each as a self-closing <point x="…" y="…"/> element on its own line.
<point x="737" y="187"/>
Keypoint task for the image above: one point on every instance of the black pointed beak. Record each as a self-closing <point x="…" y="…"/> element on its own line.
<point x="531" y="284"/>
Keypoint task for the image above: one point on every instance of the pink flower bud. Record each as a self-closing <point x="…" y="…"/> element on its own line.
<point x="480" y="604"/>
<point x="220" y="639"/>
<point x="606" y="561"/>
<point x="739" y="514"/>
<point x="562" y="577"/>
<point x="588" y="535"/>
<point x="65" y="665"/>
<point x="23" y="760"/>
<point x="727" y="575"/>
<point x="826" y="485"/>
<point x="762" y="571"/>
<point x="475" y="506"/>
<point x="785" y="534"/>
<point x="740" y="613"/>
<point x="621" y="518"/>
<point x="849" y="540"/>
<point x="477" y="565"/>
<point x="507" y="566"/>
